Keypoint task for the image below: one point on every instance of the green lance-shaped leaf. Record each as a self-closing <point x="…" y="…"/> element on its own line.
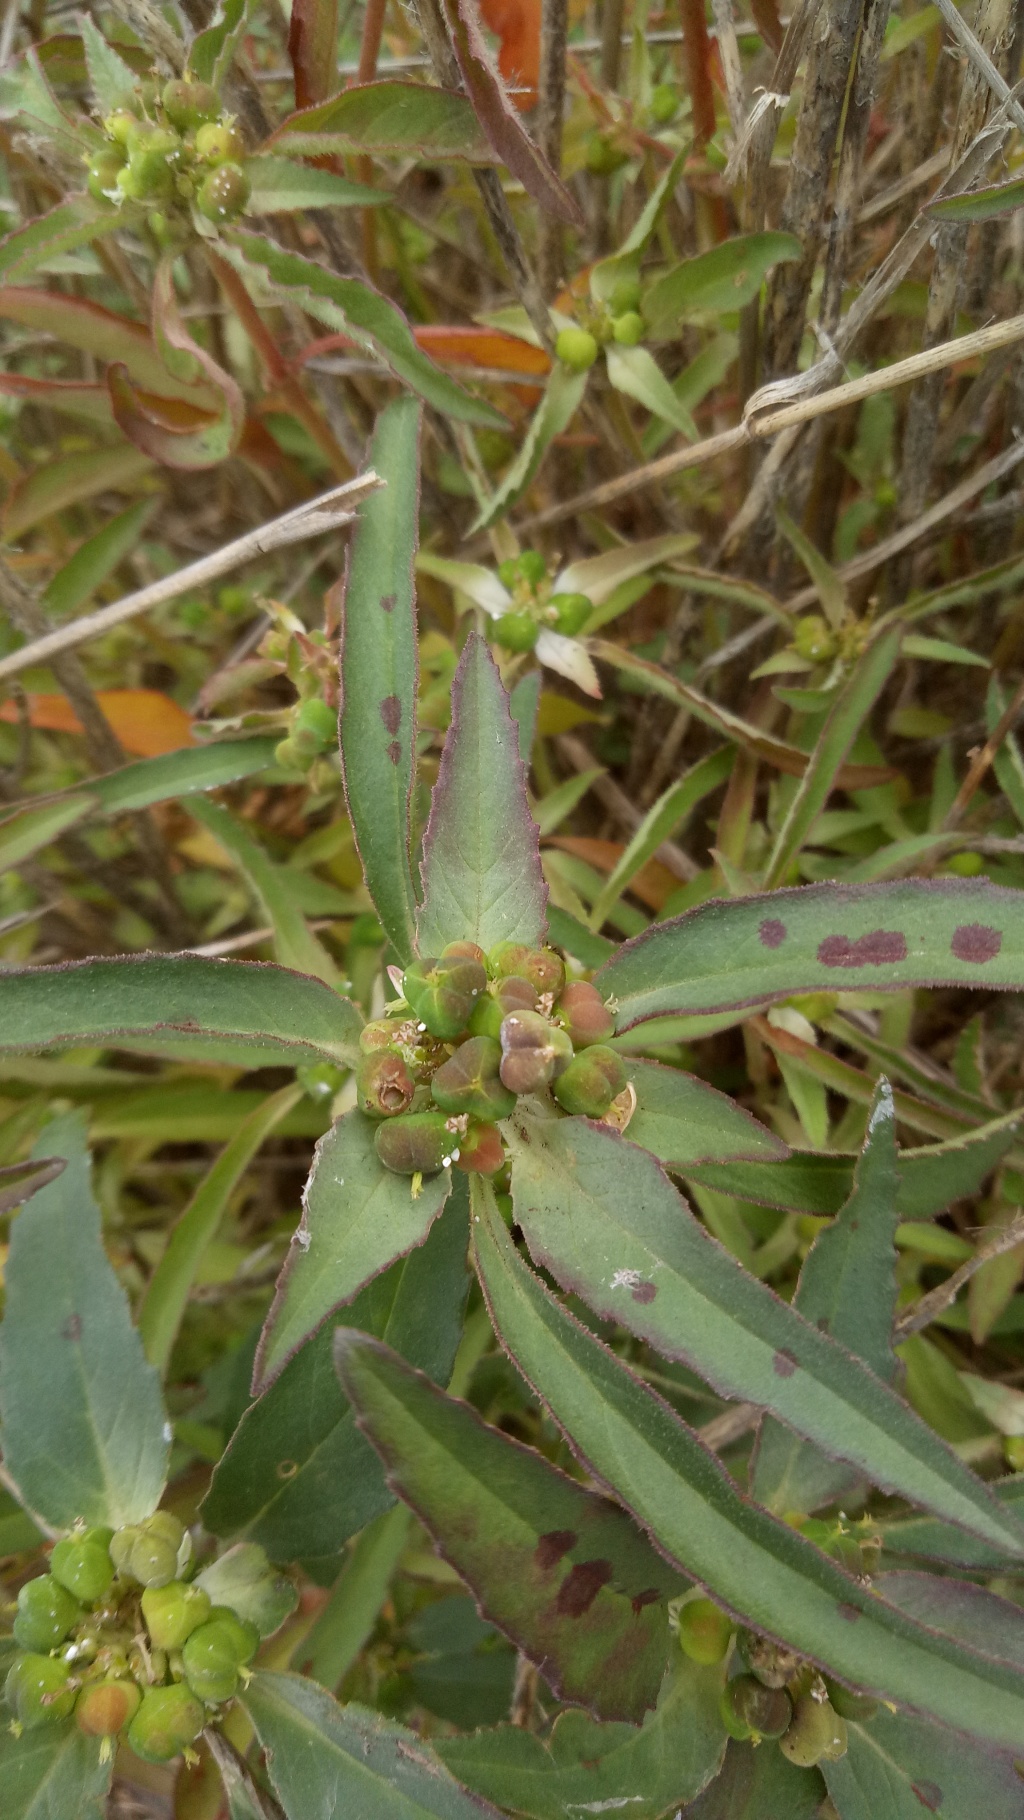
<point x="682" y="1121"/>
<point x="114" y="85"/>
<point x="723" y="280"/>
<point x="183" y="773"/>
<point x="326" y="1759"/>
<point x="847" y="1289"/>
<point x="84" y="1429"/>
<point x="297" y="1476"/>
<point x="981" y="205"/>
<point x="96" y="559"/>
<point x="758" y="1784"/>
<point x="606" y="1221"/>
<point x="53" y="1773"/>
<point x="930" y="1179"/>
<point x="30" y="829"/>
<point x="349" y="306"/>
<point x="281" y="185"/>
<point x="482" y="880"/>
<point x="901" y="1768"/>
<point x="357" y="1218"/>
<point x="584" y="1767"/>
<point x="56" y="485"/>
<point x="382" y="117"/>
<point x="925" y="1538"/>
<point x="563" y="395"/>
<point x="69" y="225"/>
<point x="561" y="1571"/>
<point x="978" y="1617"/>
<point x="180" y="1005"/>
<point x="295" y="943"/>
<point x="1008" y="761"/>
<point x="821" y="938"/>
<point x="756" y="1566"/>
<point x="212" y="52"/>
<point x="379" y="671"/>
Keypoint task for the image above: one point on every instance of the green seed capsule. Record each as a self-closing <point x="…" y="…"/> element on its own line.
<point x="532" y="567"/>
<point x="576" y="349"/>
<point x="625" y="294"/>
<point x="817" y="1732"/>
<point x="117" y="126"/>
<point x="848" y="1704"/>
<point x="517" y="631"/>
<point x="628" y="329"/>
<point x="318" y="718"/>
<point x="814" y="638"/>
<point x="766" y="1711"/>
<point x="469" y="1081"/>
<point x="173" y="1612"/>
<point x="105" y="1707"/>
<point x="148" y="1552"/>
<point x="533" y="1051"/>
<point x="583" y="1013"/>
<point x="245" y="1636"/>
<point x="494" y="1006"/>
<point x="664" y="103"/>
<point x="210" y="1663"/>
<point x="541" y="966"/>
<point x="168" y="1720"/>
<point x="481" y="1151"/>
<point x="591" y="1082"/>
<point x="220" y="143"/>
<point x="384" y="1086"/>
<point x="104" y="170"/>
<point x="46" y="1613"/>
<point x="734" y="1725"/>
<point x="770" y="1662"/>
<point x="571" y="612"/>
<point x="189" y="105"/>
<point x="40" y="1691"/>
<point x="82" y="1568"/>
<point x="442" y="993"/>
<point x="704" y="1631"/>
<point x="224" y="194"/>
<point x="604" y="156"/>
<point x="508" y="572"/>
<point x="416" y="1143"/>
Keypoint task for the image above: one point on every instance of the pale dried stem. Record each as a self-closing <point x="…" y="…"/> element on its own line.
<point x="732" y="67"/>
<point x="625" y="812"/>
<point x="554" y="31"/>
<point x="983" y="760"/>
<point x="938" y="1300"/>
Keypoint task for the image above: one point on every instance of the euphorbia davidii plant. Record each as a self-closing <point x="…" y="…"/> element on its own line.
<point x="503" y="1103"/>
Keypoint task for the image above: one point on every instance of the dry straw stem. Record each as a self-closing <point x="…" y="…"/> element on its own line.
<point x="327" y="512"/>
<point x="760" y="422"/>
<point x="982" y="760"/>
<point x="925" y="1311"/>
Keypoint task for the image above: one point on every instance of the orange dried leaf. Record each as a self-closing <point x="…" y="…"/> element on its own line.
<point x="147" y="722"/>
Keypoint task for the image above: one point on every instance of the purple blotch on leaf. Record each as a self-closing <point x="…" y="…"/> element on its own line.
<point x="391" y="714"/>
<point x="552" y="1546"/>
<point x="387" y="601"/>
<point x="783" y="1364"/>
<point x="650" y="1597"/>
<point x="929" y="1794"/>
<point x="879" y="948"/>
<point x="976" y="942"/>
<point x="772" y="933"/>
<point x="645" y="1292"/>
<point x="72" y="1328"/>
<point x="849" y="1612"/>
<point x="581" y="1586"/>
<point x="394" y="751"/>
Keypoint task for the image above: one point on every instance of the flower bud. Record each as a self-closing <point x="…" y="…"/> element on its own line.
<point x="46" y="1612"/>
<point x="583" y="1013"/>
<point x="85" y="1569"/>
<point x="848" y="1704"/>
<point x="817" y="1731"/>
<point x="533" y="1051"/>
<point x="517" y="631"/>
<point x="224" y="194"/>
<point x="772" y="1663"/>
<point x="443" y="992"/>
<point x="173" y="1612"/>
<point x="469" y="1081"/>
<point x="384" y="1086"/>
<point x="168" y="1720"/>
<point x="105" y="1707"/>
<point x="765" y="1711"/>
<point x="571" y="612"/>
<point x="628" y="329"/>
<point x="416" y="1143"/>
<point x="481" y="1151"/>
<point x="40" y="1691"/>
<point x="576" y="348"/>
<point x="219" y="143"/>
<point x="591" y="1082"/>
<point x="190" y="104"/>
<point x="210" y="1661"/>
<point x="704" y="1631"/>
<point x="493" y="1006"/>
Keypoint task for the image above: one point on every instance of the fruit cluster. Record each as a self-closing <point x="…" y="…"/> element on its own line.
<point x="535" y="605"/>
<point x="114" y="1634"/>
<point x="777" y="1694"/>
<point x="616" y="320"/>
<point x="183" y="152"/>
<point x="471" y="1034"/>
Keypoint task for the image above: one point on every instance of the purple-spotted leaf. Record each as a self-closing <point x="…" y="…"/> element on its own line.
<point x="847" y="1288"/>
<point x="482" y="880"/>
<point x="604" y="1219"/>
<point x="560" y="1570"/>
<point x="357" y="1218"/>
<point x="243" y="1012"/>
<point x="583" y="1767"/>
<point x="499" y="118"/>
<point x="326" y="1759"/>
<point x="379" y="669"/>
<point x="349" y="306"/>
<point x="19" y="1181"/>
<point x="756" y="1566"/>
<point x="821" y="938"/>
<point x="382" y="117"/>
<point x="683" y="1121"/>
<point x="313" y="49"/>
<point x="900" y="1768"/>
